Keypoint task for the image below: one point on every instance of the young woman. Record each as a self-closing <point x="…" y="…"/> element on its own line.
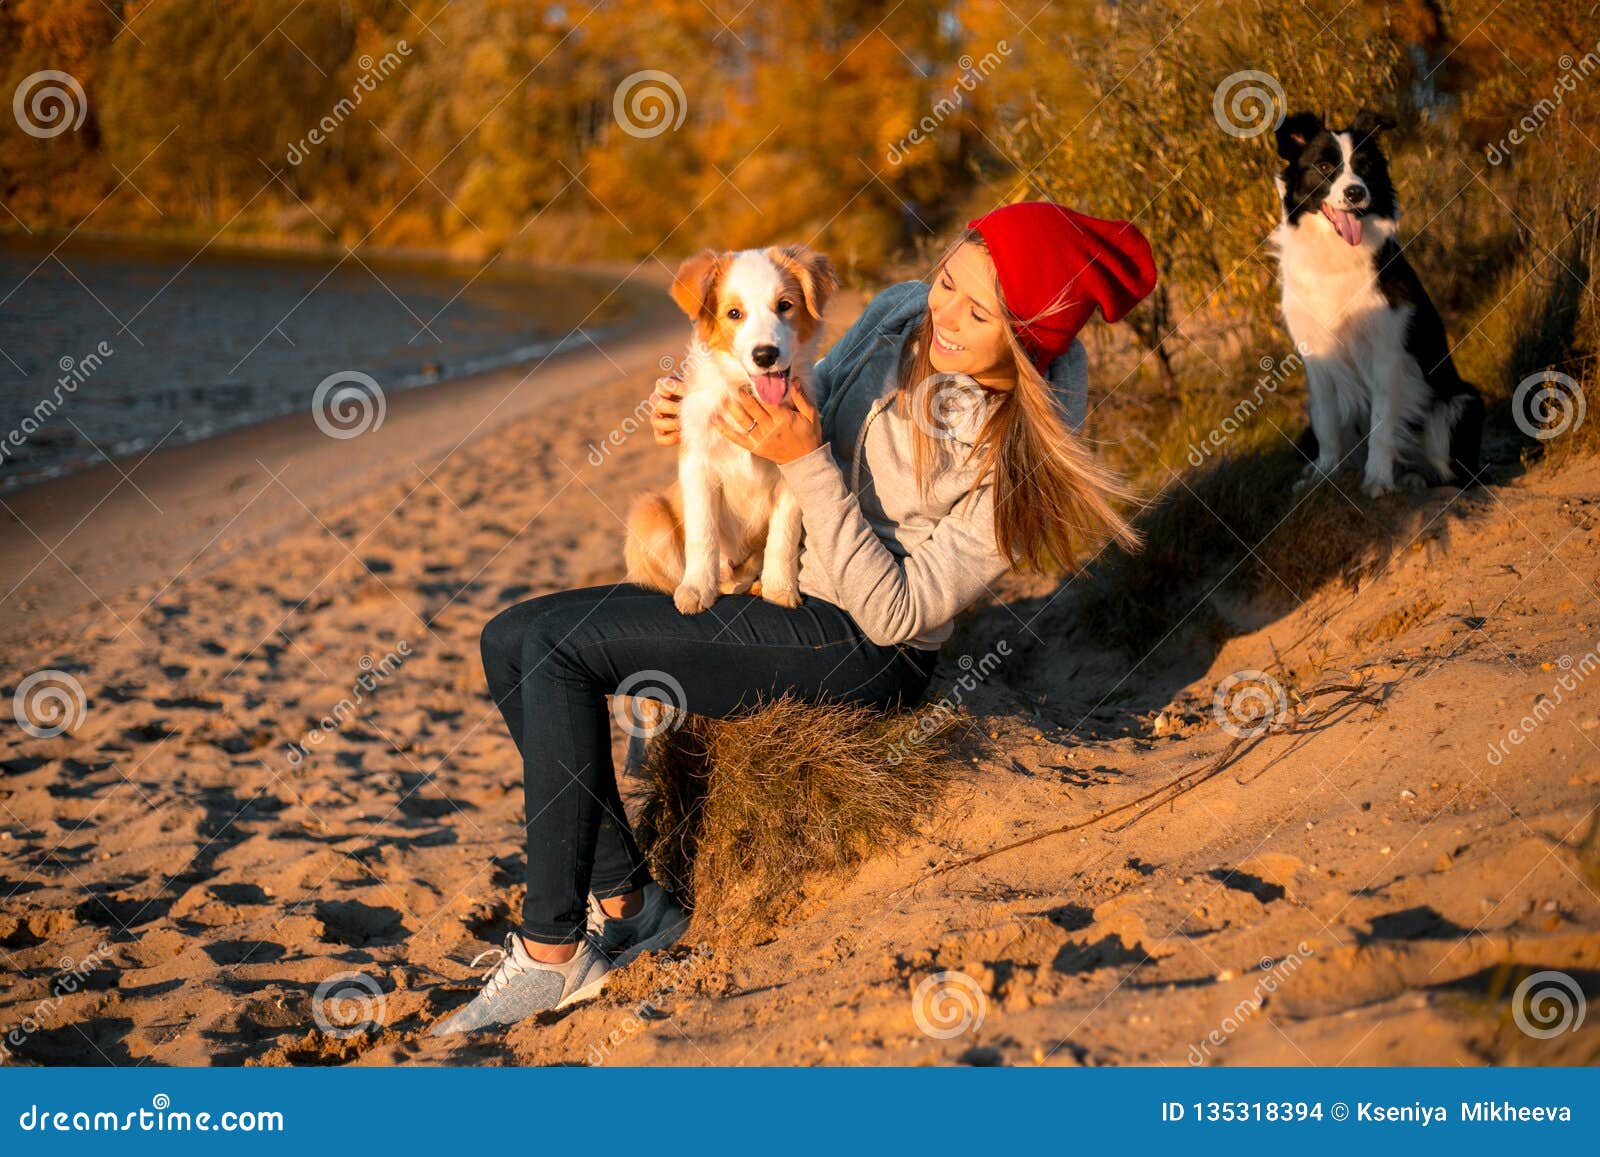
<point x="937" y="453"/>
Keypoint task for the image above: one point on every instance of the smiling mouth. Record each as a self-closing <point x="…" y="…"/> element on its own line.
<point x="946" y="345"/>
<point x="770" y="387"/>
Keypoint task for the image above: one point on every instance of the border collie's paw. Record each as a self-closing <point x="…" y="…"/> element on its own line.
<point x="1377" y="487"/>
<point x="691" y="600"/>
<point x="1412" y="481"/>
<point x="1309" y="477"/>
<point x="783" y="596"/>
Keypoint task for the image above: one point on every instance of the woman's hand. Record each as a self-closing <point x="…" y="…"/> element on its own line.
<point x="664" y="401"/>
<point x="776" y="433"/>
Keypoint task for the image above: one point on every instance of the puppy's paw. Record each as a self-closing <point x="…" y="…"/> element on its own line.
<point x="1377" y="487"/>
<point x="1412" y="481"/>
<point x="691" y="599"/>
<point x="783" y="596"/>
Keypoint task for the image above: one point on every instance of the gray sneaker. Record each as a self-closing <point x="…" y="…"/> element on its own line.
<point x="521" y="986"/>
<point x="656" y="925"/>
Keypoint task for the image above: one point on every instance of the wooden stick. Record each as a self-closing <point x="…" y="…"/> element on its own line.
<point x="1181" y="785"/>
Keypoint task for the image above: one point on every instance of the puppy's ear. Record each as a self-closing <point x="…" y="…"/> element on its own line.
<point x="813" y="270"/>
<point x="694" y="285"/>
<point x="1369" y="123"/>
<point x="1294" y="131"/>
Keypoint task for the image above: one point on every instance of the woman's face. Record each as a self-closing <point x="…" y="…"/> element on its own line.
<point x="968" y="330"/>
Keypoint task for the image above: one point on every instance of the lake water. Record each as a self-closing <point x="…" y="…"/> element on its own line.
<point x="111" y="350"/>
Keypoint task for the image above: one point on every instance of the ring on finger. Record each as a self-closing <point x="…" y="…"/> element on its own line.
<point x="751" y="426"/>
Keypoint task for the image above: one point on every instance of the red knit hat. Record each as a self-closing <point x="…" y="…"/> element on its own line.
<point x="1046" y="255"/>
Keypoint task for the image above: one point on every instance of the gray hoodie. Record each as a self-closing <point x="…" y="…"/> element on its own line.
<point x="903" y="564"/>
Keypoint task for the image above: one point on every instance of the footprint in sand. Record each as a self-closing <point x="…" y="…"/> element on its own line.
<point x="188" y="703"/>
<point x="153" y="732"/>
<point x="359" y="925"/>
<point x="246" y="951"/>
<point x="120" y="911"/>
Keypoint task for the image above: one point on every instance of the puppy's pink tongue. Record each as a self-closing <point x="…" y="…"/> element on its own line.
<point x="1346" y="224"/>
<point x="770" y="388"/>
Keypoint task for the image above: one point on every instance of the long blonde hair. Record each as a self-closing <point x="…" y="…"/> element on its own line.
<point x="1050" y="495"/>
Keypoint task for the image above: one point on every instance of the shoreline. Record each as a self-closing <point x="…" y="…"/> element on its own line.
<point x="83" y="538"/>
<point x="626" y="292"/>
<point x="534" y="353"/>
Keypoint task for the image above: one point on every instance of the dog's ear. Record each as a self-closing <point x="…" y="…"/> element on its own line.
<point x="1294" y="131"/>
<point x="1369" y="123"/>
<point x="694" y="285"/>
<point x="818" y="282"/>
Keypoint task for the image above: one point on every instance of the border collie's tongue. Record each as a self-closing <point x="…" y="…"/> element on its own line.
<point x="770" y="388"/>
<point x="1347" y="224"/>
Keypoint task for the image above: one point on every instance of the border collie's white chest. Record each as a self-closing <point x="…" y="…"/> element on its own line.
<point x="1331" y="299"/>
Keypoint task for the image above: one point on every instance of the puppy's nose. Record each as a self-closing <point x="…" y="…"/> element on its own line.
<point x="1356" y="195"/>
<point x="764" y="355"/>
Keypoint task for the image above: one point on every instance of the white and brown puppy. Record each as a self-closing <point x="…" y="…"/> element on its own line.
<point x="730" y="521"/>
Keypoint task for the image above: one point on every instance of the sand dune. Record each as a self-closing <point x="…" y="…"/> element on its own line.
<point x="199" y="879"/>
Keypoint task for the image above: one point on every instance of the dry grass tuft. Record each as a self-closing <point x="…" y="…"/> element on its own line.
<point x="744" y="812"/>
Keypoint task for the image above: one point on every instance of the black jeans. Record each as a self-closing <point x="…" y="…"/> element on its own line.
<point x="551" y="662"/>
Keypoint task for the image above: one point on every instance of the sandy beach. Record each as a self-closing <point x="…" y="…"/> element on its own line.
<point x="1363" y="889"/>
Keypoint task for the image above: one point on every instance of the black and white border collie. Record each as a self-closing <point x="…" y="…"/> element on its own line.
<point x="1376" y="357"/>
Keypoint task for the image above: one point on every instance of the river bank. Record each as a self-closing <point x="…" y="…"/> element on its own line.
<point x="76" y="543"/>
<point x="112" y="348"/>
